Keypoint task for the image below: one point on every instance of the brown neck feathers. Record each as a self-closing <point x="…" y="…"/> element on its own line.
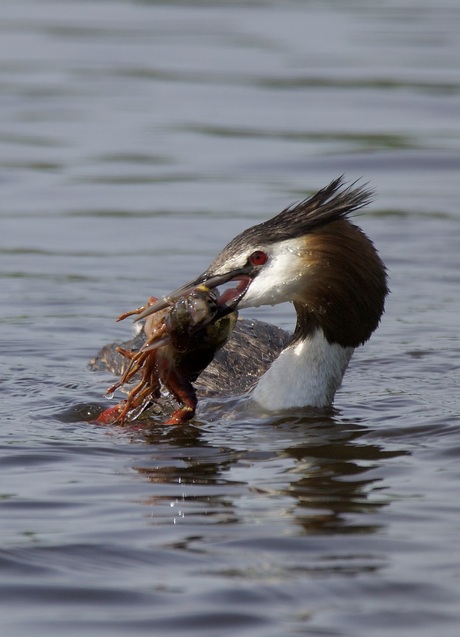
<point x="345" y="286"/>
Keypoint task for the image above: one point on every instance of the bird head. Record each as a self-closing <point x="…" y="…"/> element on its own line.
<point x="310" y="254"/>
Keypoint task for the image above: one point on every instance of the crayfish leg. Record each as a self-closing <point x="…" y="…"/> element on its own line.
<point x="181" y="416"/>
<point x="111" y="415"/>
<point x="185" y="394"/>
<point x="138" y="310"/>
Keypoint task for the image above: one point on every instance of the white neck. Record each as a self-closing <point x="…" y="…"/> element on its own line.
<point x="305" y="374"/>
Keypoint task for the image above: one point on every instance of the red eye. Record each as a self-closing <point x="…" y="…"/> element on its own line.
<point x="258" y="258"/>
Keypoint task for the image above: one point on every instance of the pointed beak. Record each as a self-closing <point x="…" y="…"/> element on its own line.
<point x="227" y="301"/>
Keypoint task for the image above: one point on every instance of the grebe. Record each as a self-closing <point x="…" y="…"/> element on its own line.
<point x="311" y="255"/>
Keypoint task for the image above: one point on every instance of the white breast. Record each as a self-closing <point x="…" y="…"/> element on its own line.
<point x="306" y="374"/>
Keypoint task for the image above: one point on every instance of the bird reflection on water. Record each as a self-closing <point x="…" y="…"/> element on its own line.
<point x="317" y="468"/>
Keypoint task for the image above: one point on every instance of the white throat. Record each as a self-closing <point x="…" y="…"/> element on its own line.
<point x="305" y="374"/>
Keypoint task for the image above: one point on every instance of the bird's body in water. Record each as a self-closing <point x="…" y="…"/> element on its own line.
<point x="313" y="256"/>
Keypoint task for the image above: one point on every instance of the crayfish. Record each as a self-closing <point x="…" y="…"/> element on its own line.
<point x="181" y="341"/>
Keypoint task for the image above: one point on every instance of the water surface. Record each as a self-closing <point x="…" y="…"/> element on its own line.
<point x="136" y="139"/>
